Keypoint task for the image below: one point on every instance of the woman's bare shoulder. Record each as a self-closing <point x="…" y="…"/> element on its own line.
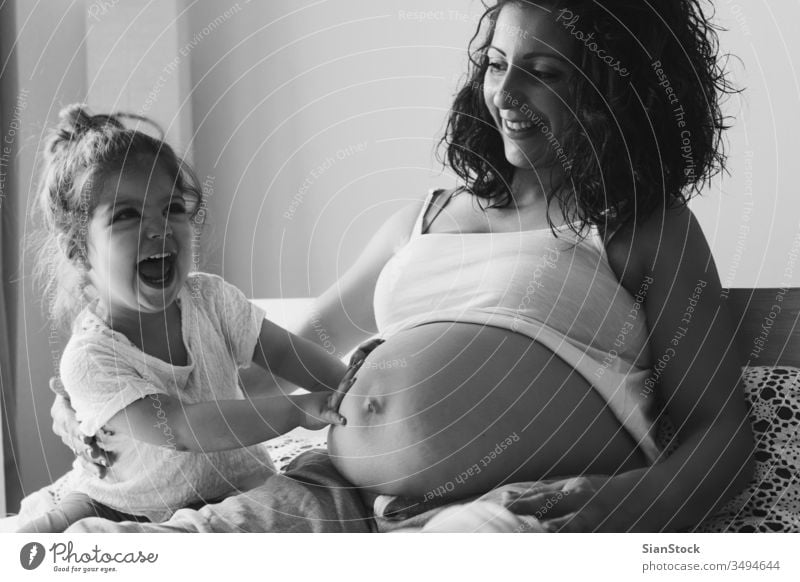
<point x="401" y="224"/>
<point x="671" y="236"/>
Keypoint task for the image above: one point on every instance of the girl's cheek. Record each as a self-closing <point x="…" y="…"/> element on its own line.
<point x="182" y="230"/>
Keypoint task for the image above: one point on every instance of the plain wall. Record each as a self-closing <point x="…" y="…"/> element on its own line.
<point x="752" y="216"/>
<point x="134" y="64"/>
<point x="282" y="91"/>
<point x="314" y="122"/>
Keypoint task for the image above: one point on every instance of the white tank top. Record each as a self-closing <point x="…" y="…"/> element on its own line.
<point x="560" y="292"/>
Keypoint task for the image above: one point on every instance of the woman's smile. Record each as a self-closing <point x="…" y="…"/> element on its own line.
<point x="519" y="130"/>
<point x="526" y="84"/>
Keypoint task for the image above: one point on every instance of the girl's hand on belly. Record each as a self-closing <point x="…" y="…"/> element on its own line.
<point x="363" y="351"/>
<point x="356" y="360"/>
<point x="317" y="411"/>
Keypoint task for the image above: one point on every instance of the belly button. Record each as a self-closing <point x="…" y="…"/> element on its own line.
<point x="371" y="405"/>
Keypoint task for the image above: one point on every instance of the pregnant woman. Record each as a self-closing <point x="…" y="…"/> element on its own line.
<point x="540" y="319"/>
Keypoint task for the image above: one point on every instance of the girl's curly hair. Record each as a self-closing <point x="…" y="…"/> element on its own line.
<point x="636" y="142"/>
<point x="79" y="155"/>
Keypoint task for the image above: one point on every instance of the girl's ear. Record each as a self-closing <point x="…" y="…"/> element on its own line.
<point x="74" y="251"/>
<point x="63" y="244"/>
<point x="83" y="262"/>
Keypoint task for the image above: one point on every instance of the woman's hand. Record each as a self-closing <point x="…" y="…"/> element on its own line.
<point x="317" y="410"/>
<point x="88" y="449"/>
<point x="578" y="504"/>
<point x="356" y="360"/>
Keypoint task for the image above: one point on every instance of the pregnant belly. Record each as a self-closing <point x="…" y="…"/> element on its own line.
<point x="458" y="408"/>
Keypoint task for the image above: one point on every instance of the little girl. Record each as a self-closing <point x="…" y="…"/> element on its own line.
<point x="155" y="349"/>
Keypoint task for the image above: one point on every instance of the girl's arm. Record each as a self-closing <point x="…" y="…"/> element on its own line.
<point x="223" y="424"/>
<point x="256" y="382"/>
<point x="296" y="359"/>
<point x="343" y="317"/>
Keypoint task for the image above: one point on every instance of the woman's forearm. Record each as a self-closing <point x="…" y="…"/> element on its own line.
<point x="336" y="329"/>
<point x="705" y="471"/>
<point x="329" y="339"/>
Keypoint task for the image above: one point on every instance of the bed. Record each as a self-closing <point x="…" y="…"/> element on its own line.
<point x="767" y="338"/>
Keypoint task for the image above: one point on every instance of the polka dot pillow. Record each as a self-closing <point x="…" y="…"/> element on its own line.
<point x="771" y="503"/>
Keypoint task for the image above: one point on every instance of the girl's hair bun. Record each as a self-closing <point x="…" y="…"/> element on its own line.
<point x="74" y="118"/>
<point x="75" y="121"/>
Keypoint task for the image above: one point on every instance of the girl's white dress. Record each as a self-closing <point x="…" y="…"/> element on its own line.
<point x="103" y="372"/>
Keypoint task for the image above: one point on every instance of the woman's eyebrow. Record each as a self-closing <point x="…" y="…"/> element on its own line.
<point x="534" y="54"/>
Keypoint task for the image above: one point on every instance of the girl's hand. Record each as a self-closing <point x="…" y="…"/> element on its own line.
<point x="317" y="410"/>
<point x="88" y="449"/>
<point x="363" y="351"/>
<point x="356" y="360"/>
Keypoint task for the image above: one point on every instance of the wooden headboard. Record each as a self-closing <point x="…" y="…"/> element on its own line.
<point x="766" y="325"/>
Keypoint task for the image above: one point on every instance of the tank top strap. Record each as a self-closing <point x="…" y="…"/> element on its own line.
<point x="435" y="202"/>
<point x="608" y="232"/>
<point x="419" y="223"/>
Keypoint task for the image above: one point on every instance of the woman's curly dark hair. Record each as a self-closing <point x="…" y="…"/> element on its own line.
<point x="632" y="147"/>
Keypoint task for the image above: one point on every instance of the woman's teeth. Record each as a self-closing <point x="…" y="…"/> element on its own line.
<point x="517" y="125"/>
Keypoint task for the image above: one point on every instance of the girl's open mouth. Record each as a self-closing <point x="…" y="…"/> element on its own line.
<point x="158" y="270"/>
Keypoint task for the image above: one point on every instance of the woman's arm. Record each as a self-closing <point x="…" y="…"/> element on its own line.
<point x="223" y="424"/>
<point x="690" y="324"/>
<point x="343" y="315"/>
<point x="89" y="450"/>
<point x="690" y="329"/>
<point x="94" y="459"/>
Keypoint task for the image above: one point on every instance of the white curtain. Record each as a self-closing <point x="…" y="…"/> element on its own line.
<point x="5" y="375"/>
<point x="5" y="356"/>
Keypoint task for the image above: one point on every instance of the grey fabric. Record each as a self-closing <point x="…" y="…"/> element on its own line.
<point x="74" y="507"/>
<point x="311" y="497"/>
